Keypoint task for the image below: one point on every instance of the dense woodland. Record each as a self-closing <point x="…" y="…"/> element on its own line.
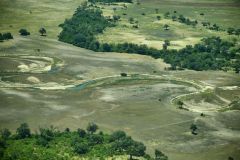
<point x="211" y="54"/>
<point x="50" y="143"/>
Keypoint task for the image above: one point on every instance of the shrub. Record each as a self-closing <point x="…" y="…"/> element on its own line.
<point x="24" y="32"/>
<point x="23" y="131"/>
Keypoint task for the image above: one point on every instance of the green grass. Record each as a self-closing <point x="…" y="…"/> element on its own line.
<point x="33" y="15"/>
<point x="151" y="30"/>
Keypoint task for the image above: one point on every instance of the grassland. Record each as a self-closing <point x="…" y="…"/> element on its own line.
<point x="151" y="31"/>
<point x="83" y="86"/>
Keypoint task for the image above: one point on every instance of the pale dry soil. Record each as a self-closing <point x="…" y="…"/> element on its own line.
<point x="83" y="86"/>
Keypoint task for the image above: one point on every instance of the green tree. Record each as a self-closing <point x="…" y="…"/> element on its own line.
<point x="42" y="31"/>
<point x="237" y="32"/>
<point x="46" y="135"/>
<point x="81" y="147"/>
<point x="92" y="128"/>
<point x="117" y="136"/>
<point x="7" y="36"/>
<point x="135" y="149"/>
<point x="81" y="132"/>
<point x="166" y="27"/>
<point x="230" y="31"/>
<point x="158" y="17"/>
<point x="167" y="14"/>
<point x="23" y="131"/>
<point x="131" y="20"/>
<point x="1" y="37"/>
<point x="160" y="156"/>
<point x="5" y="133"/>
<point x="167" y="42"/>
<point x="24" y="32"/>
<point x="193" y="127"/>
<point x="95" y="139"/>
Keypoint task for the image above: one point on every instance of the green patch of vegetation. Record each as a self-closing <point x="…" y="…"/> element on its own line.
<point x="24" y="32"/>
<point x="5" y="36"/>
<point x="50" y="143"/>
<point x="81" y="29"/>
<point x="212" y="54"/>
<point x="110" y="1"/>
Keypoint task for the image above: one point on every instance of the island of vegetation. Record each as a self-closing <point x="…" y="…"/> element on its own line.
<point x="213" y="53"/>
<point x="50" y="143"/>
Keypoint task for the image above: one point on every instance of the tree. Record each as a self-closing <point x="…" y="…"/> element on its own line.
<point x="230" y="158"/>
<point x="81" y="147"/>
<point x="3" y="146"/>
<point x="116" y="18"/>
<point x="1" y="37"/>
<point x="180" y="103"/>
<point x="230" y="31"/>
<point x="7" y="36"/>
<point x="42" y="31"/>
<point x="123" y="74"/>
<point x="164" y="46"/>
<point x="237" y="32"/>
<point x="23" y="131"/>
<point x="92" y="127"/>
<point x="158" y="17"/>
<point x="167" y="14"/>
<point x="117" y="135"/>
<point x="5" y="133"/>
<point x="160" y="156"/>
<point x="24" y="32"/>
<point x="167" y="42"/>
<point x="81" y="132"/>
<point x="131" y="20"/>
<point x="135" y="149"/>
<point x="95" y="139"/>
<point x="193" y="127"/>
<point x="174" y="18"/>
<point x="166" y="27"/>
<point x="156" y="10"/>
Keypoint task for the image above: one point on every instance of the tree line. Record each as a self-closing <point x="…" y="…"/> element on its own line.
<point x="50" y="143"/>
<point x="211" y="53"/>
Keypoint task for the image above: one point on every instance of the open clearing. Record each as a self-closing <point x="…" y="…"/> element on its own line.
<point x="45" y="82"/>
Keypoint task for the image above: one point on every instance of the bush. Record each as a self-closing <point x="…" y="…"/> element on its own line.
<point x="95" y="139"/>
<point x="92" y="127"/>
<point x="24" y="32"/>
<point x="23" y="131"/>
<point x="5" y="133"/>
<point x="81" y="132"/>
<point x="5" y="36"/>
<point x="81" y="148"/>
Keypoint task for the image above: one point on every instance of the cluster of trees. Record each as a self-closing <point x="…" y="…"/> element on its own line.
<point x="50" y="143"/>
<point x="233" y="31"/>
<point x="211" y="54"/>
<point x="211" y="27"/>
<point x="180" y="19"/>
<point x="184" y="20"/>
<point x="5" y="36"/>
<point x="82" y="28"/>
<point x="110" y="1"/>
